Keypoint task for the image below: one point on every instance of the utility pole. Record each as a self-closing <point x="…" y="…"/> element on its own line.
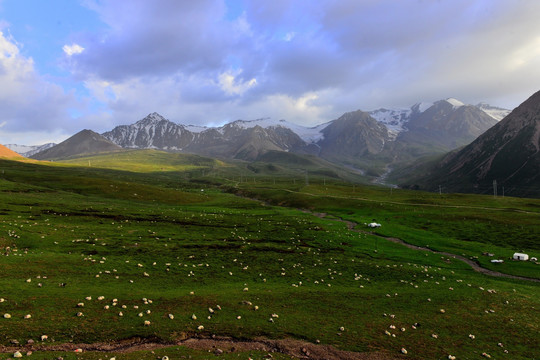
<point x="494" y="188"/>
<point x="440" y="190"/>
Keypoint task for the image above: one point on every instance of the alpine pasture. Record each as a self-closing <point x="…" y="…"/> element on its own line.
<point x="166" y="250"/>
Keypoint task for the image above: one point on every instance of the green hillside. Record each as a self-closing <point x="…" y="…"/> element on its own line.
<point x="173" y="249"/>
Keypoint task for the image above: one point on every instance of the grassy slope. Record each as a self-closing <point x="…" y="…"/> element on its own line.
<point x="73" y="224"/>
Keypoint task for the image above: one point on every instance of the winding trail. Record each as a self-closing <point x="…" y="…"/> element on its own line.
<point x="352" y="226"/>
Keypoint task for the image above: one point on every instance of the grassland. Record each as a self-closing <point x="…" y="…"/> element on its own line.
<point x="176" y="233"/>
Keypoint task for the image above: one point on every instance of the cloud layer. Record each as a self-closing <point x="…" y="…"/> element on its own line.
<point x="210" y="61"/>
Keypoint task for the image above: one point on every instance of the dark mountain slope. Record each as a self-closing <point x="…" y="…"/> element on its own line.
<point x="84" y="142"/>
<point x="508" y="153"/>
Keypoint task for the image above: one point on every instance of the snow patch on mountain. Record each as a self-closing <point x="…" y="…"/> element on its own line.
<point x="393" y="119"/>
<point x="495" y="112"/>
<point x="308" y="134"/>
<point x="455" y="103"/>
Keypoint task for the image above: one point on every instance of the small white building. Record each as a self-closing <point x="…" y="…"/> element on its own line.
<point x="520" y="256"/>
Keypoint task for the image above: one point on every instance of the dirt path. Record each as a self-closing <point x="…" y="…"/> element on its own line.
<point x="217" y="345"/>
<point x="352" y="226"/>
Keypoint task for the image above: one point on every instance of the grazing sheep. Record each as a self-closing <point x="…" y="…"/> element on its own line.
<point x="403" y="351"/>
<point x="146" y="323"/>
<point x="7" y="316"/>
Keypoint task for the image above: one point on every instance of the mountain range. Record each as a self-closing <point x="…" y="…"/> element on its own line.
<point x="369" y="142"/>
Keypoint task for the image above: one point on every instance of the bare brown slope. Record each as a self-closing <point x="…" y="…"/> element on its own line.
<point x="10" y="154"/>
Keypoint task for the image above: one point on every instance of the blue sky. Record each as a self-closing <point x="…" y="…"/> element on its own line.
<point x="68" y="65"/>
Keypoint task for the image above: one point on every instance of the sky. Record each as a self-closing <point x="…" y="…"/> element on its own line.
<point x="69" y="65"/>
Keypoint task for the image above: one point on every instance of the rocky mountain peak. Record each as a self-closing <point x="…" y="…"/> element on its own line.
<point x="151" y="119"/>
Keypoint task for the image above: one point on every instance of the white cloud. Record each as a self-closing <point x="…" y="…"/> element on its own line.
<point x="289" y="36"/>
<point x="231" y="86"/>
<point x="28" y="102"/>
<point x="72" y="49"/>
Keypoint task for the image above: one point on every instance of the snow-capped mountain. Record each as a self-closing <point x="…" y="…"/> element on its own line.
<point x="29" y="150"/>
<point x="239" y="139"/>
<point x="152" y="132"/>
<point x="396" y="120"/>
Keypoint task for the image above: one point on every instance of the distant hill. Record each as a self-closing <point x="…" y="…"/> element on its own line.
<point x="9" y="154"/>
<point x="84" y="142"/>
<point x="508" y="153"/>
<point x="29" y="150"/>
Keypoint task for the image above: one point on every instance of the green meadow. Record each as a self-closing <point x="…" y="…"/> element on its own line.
<point x="167" y="247"/>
